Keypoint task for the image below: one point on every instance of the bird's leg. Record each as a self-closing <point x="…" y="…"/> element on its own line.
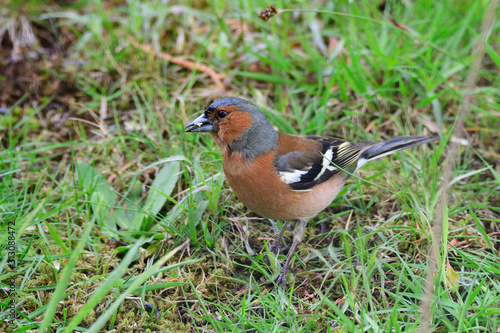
<point x="323" y="228"/>
<point x="281" y="278"/>
<point x="298" y="234"/>
<point x="275" y="247"/>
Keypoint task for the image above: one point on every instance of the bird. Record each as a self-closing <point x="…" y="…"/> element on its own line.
<point x="284" y="176"/>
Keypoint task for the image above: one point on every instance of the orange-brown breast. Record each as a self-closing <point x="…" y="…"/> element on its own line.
<point x="259" y="187"/>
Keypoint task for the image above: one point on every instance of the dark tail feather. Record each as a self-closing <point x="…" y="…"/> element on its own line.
<point x="394" y="145"/>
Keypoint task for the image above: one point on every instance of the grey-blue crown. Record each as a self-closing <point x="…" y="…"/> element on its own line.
<point x="230" y="101"/>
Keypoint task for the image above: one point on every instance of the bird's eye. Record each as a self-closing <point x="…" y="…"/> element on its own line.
<point x="221" y="113"/>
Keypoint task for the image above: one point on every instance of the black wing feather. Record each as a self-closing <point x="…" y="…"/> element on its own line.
<point x="343" y="154"/>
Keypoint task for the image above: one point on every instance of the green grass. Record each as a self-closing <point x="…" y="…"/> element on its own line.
<point x="123" y="221"/>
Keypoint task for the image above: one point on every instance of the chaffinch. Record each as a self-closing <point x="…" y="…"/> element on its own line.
<point x="283" y="176"/>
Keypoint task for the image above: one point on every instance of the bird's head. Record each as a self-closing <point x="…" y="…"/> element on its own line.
<point x="237" y="125"/>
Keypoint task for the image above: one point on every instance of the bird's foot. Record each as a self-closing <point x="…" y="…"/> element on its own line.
<point x="274" y="249"/>
<point x="280" y="280"/>
<point x="266" y="256"/>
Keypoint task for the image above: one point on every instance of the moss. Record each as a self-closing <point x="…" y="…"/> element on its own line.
<point x="34" y="124"/>
<point x="131" y="318"/>
<point x="8" y="120"/>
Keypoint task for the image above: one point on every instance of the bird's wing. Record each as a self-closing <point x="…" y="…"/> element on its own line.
<point x="318" y="160"/>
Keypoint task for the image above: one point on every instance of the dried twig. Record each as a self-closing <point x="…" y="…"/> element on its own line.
<point x="216" y="77"/>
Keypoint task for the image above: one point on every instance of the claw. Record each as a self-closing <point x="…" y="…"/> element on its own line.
<point x="275" y="249"/>
<point x="280" y="280"/>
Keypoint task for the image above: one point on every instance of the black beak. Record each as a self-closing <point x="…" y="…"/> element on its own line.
<point x="200" y="124"/>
